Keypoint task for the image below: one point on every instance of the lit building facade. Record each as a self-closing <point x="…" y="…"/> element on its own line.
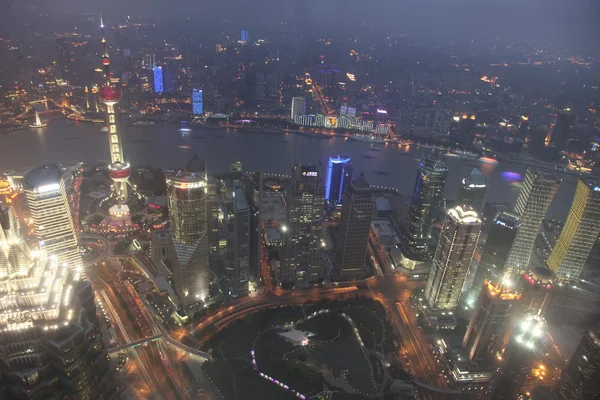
<point x="579" y="233"/>
<point x="427" y="199"/>
<point x="358" y="206"/>
<point x="517" y="360"/>
<point x="244" y="35"/>
<point x="451" y="263"/>
<point x="301" y="256"/>
<point x="241" y="241"/>
<point x="472" y="190"/>
<point x="49" y="209"/>
<point x="532" y="203"/>
<point x="157" y="72"/>
<point x="490" y="319"/>
<point x="49" y="335"/>
<point x="298" y="107"/>
<point x="339" y="176"/>
<point x="186" y="192"/>
<point x="197" y="102"/>
<point x="579" y="379"/>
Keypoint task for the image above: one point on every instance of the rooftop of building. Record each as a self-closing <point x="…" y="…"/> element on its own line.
<point x="240" y="202"/>
<point x="475" y="179"/>
<point x="361" y="184"/>
<point x="464" y="215"/>
<point x="383" y="204"/>
<point x="43" y="176"/>
<point x="195" y="165"/>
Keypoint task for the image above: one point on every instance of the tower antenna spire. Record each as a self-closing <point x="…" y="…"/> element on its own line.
<point x="105" y="56"/>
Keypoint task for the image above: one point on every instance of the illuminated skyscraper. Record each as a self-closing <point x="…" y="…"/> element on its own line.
<point x="339" y="176"/>
<point x="522" y="351"/>
<point x="158" y="79"/>
<point x="49" y="334"/>
<point x="118" y="170"/>
<point x="472" y="190"/>
<point x="186" y="191"/>
<point x="579" y="380"/>
<point x="244" y="35"/>
<point x="491" y="316"/>
<point x="197" y="102"/>
<point x="534" y="199"/>
<point x="301" y="256"/>
<point x="241" y="241"/>
<point x="298" y="107"/>
<point x="49" y="209"/>
<point x="451" y="262"/>
<point x="358" y="206"/>
<point x="427" y="199"/>
<point x="579" y="233"/>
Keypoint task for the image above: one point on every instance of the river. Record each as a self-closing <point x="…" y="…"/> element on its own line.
<point x="164" y="146"/>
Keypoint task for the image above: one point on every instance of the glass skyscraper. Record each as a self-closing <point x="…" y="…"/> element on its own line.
<point x="472" y="190"/>
<point x="301" y="258"/>
<point x="49" y="209"/>
<point x="158" y="79"/>
<point x="451" y="262"/>
<point x="579" y="233"/>
<point x="339" y="175"/>
<point x="426" y="201"/>
<point x="534" y="199"/>
<point x="357" y="211"/>
<point x="197" y="102"/>
<point x="187" y="195"/>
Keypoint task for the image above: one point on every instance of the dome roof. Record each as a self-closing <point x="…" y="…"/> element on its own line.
<point x="195" y="165"/>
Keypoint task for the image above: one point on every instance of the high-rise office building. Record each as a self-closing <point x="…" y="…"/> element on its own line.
<point x="339" y="176"/>
<point x="358" y="206"/>
<point x="451" y="262"/>
<point x="197" y="102"/>
<point x="579" y="379"/>
<point x="561" y="131"/>
<point x="534" y="199"/>
<point x="301" y="258"/>
<point x="50" y="342"/>
<point x="298" y="107"/>
<point x="241" y="241"/>
<point x="49" y="209"/>
<point x="499" y="240"/>
<point x="490" y="318"/>
<point x="157" y="71"/>
<point x="186" y="191"/>
<point x="472" y="190"/>
<point x="427" y="199"/>
<point x="244" y="35"/>
<point x="537" y="288"/>
<point x="517" y="359"/>
<point x="149" y="61"/>
<point x="579" y="233"/>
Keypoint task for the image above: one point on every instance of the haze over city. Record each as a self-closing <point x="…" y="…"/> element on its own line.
<point x="333" y="199"/>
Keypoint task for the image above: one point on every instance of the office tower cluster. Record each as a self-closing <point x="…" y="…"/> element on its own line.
<point x="49" y="334"/>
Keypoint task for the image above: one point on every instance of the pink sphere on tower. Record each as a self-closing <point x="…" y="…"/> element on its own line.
<point x="110" y="94"/>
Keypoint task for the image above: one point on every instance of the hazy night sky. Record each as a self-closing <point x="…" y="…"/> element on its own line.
<point x="558" y="22"/>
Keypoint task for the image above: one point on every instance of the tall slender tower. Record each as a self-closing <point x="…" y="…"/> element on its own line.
<point x="339" y="175"/>
<point x="426" y="201"/>
<point x="118" y="170"/>
<point x="357" y="212"/>
<point x="580" y="232"/>
<point x="302" y="259"/>
<point x="451" y="263"/>
<point x="534" y="199"/>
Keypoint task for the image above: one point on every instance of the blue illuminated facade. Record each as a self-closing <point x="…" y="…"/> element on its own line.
<point x="339" y="176"/>
<point x="197" y="102"/>
<point x="244" y="35"/>
<point x="158" y="79"/>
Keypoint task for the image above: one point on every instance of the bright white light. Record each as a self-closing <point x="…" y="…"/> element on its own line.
<point x="48" y="188"/>
<point x="284" y="228"/>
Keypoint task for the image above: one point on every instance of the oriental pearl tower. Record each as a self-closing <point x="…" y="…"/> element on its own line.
<point x="118" y="170"/>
